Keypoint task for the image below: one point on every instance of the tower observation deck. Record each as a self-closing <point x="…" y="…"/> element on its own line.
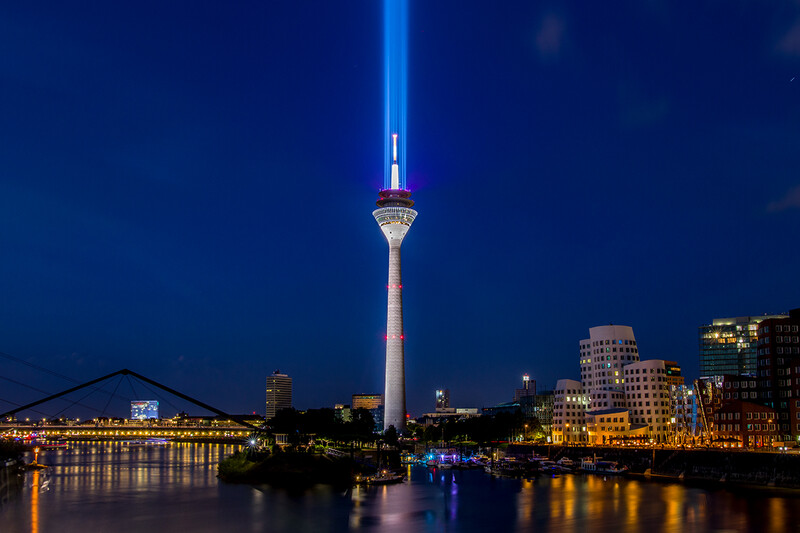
<point x="395" y="216"/>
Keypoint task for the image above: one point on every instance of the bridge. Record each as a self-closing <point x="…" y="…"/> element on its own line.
<point x="122" y="431"/>
<point x="222" y="427"/>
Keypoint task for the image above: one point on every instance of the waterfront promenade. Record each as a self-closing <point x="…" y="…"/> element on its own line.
<point x="765" y="468"/>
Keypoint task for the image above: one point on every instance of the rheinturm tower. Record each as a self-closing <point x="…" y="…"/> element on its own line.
<point x="395" y="216"/>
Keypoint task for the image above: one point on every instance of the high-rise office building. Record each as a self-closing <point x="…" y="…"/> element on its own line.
<point x="728" y="345"/>
<point x="673" y="373"/>
<point x="442" y="399"/>
<point x="528" y="388"/>
<point x="367" y="401"/>
<point x="374" y="404"/>
<point x="144" y="409"/>
<point x="279" y="393"/>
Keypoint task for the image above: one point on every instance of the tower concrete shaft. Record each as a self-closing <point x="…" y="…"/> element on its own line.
<point x="395" y="221"/>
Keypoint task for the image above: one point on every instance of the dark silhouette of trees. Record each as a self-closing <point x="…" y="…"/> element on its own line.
<point x="390" y="436"/>
<point x="482" y="429"/>
<point x="322" y="423"/>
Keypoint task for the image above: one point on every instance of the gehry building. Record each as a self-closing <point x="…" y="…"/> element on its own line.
<point x="619" y="396"/>
<point x="647" y="395"/>
<point x="603" y="355"/>
<point x="569" y="412"/>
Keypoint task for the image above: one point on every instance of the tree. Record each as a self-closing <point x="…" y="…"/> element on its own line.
<point x="390" y="436"/>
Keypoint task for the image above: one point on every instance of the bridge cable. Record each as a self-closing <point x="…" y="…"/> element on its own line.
<point x="37" y="367"/>
<point x="45" y="392"/>
<point x="48" y="371"/>
<point x="19" y="404"/>
<point x="130" y="383"/>
<point x="112" y="395"/>
<point x="24" y="385"/>
<point x="91" y="391"/>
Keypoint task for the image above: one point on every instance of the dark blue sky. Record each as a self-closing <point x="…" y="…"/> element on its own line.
<point x="186" y="189"/>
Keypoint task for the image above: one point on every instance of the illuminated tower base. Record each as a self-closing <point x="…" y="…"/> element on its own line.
<point x="395" y="218"/>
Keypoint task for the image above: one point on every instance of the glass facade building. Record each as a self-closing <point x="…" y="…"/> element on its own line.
<point x="728" y="345"/>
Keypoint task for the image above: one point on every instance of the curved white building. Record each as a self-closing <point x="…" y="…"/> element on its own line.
<point x="619" y="396"/>
<point x="569" y="412"/>
<point x="647" y="393"/>
<point x="603" y="355"/>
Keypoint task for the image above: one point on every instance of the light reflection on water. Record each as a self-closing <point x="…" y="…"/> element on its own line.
<point x="117" y="488"/>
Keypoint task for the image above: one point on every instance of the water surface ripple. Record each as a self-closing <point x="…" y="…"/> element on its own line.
<point x="119" y="488"/>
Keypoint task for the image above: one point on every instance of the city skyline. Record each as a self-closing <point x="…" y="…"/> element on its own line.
<point x="577" y="169"/>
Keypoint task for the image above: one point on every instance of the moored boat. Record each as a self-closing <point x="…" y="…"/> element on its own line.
<point x="552" y="467"/>
<point x="408" y="458"/>
<point x="384" y="477"/>
<point x="597" y="466"/>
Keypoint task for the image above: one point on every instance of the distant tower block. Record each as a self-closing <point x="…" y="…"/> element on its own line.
<point x="528" y="388"/>
<point x="279" y="393"/>
<point x="442" y="399"/>
<point x="395" y="217"/>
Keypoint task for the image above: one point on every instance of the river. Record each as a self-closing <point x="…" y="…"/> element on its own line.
<point x="119" y="488"/>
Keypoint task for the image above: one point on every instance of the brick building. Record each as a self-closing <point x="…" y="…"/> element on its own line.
<point x="778" y="354"/>
<point x="745" y="424"/>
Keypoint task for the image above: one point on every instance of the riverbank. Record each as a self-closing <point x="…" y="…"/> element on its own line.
<point x="730" y="467"/>
<point x="11" y="470"/>
<point x="287" y="469"/>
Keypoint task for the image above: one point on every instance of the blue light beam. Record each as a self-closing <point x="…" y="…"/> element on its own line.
<point x="395" y="46"/>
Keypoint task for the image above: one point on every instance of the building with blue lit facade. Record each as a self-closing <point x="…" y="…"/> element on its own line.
<point x="144" y="409"/>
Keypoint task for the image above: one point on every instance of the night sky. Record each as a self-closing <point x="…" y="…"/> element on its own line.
<point x="186" y="189"/>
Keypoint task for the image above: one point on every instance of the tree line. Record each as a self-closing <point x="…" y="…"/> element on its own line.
<point x="324" y="424"/>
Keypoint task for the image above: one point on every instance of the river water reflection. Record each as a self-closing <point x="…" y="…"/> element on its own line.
<point x="118" y="488"/>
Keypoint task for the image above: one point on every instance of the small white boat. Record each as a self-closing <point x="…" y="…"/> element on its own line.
<point x="566" y="461"/>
